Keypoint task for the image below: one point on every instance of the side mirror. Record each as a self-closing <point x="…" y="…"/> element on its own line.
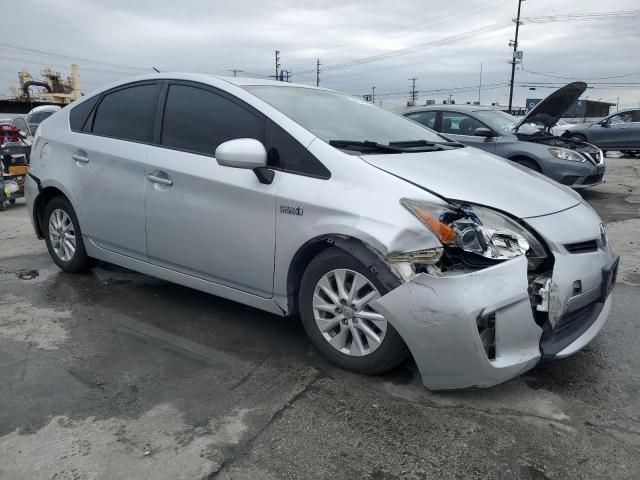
<point x="246" y="153"/>
<point x="605" y="124"/>
<point x="484" y="132"/>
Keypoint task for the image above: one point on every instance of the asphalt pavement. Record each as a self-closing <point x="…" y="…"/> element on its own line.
<point x="116" y="375"/>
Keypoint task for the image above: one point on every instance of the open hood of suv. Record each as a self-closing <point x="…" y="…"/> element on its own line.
<point x="474" y="176"/>
<point x="552" y="108"/>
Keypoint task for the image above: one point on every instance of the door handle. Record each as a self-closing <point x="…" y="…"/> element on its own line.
<point x="80" y="158"/>
<point x="161" y="180"/>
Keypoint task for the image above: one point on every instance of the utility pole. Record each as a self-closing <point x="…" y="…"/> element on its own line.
<point x="373" y="94"/>
<point x="413" y="89"/>
<point x="277" y="64"/>
<point x="318" y="72"/>
<point x="235" y="71"/>
<point x="515" y="52"/>
<point x="287" y="74"/>
<point x="480" y="84"/>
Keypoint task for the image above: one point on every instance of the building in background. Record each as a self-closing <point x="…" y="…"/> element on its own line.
<point x="581" y="109"/>
<point x="50" y="89"/>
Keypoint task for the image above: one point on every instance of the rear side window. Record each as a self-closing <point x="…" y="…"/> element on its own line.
<point x="428" y="119"/>
<point x="127" y="113"/>
<point x="198" y="120"/>
<point x="79" y="114"/>
<point x="287" y="154"/>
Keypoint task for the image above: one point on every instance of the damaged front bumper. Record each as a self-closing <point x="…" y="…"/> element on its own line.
<point x="444" y="318"/>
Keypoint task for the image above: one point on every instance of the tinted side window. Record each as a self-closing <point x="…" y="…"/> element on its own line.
<point x="198" y="120"/>
<point x="286" y="153"/>
<point x="428" y="119"/>
<point x="79" y="114"/>
<point x="459" y="123"/>
<point x="127" y="114"/>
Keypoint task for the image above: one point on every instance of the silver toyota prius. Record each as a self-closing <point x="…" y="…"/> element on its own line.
<point x="387" y="239"/>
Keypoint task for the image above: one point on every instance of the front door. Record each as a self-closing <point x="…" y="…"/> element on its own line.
<point x="460" y="127"/>
<point x="212" y="222"/>
<point x="106" y="169"/>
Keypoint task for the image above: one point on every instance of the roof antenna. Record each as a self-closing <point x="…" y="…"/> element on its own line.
<point x="156" y="69"/>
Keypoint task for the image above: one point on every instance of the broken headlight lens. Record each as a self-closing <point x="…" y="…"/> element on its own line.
<point x="566" y="154"/>
<point x="478" y="230"/>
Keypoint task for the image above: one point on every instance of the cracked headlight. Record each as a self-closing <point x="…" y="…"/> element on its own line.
<point x="566" y="154"/>
<point x="477" y="230"/>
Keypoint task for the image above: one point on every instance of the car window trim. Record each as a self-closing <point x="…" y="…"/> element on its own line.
<point x="91" y="117"/>
<point x="269" y="126"/>
<point x="162" y="104"/>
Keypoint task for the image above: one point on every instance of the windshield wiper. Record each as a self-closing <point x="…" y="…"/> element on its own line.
<point x="423" y="143"/>
<point x="365" y="145"/>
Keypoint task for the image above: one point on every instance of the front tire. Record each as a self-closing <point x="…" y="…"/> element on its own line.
<point x="334" y="302"/>
<point x="63" y="237"/>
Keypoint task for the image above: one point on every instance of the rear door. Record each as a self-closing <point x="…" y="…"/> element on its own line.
<point x="621" y="131"/>
<point x="212" y="222"/>
<point x="460" y="127"/>
<point x="106" y="165"/>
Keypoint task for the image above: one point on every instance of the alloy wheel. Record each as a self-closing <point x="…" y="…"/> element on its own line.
<point x="342" y="310"/>
<point x="62" y="235"/>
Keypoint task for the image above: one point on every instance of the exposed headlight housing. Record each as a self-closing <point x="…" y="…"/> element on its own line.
<point x="477" y="230"/>
<point x="566" y="154"/>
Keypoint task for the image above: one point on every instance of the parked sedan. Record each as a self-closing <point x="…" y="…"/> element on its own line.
<point x="528" y="141"/>
<point x="620" y="131"/>
<point x="38" y="114"/>
<point x="386" y="238"/>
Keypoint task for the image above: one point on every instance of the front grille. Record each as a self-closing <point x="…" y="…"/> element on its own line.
<point x="570" y="327"/>
<point x="593" y="179"/>
<point x="597" y="157"/>
<point x="572" y="321"/>
<point x="582" y="247"/>
<point x="568" y="180"/>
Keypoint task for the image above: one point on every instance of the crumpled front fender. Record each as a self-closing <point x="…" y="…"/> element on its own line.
<point x="437" y="318"/>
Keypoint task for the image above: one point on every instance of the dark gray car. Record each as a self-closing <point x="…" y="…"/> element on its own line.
<point x="526" y="141"/>
<point x="620" y="131"/>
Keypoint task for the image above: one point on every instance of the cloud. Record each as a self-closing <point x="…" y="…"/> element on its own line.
<point x="217" y="36"/>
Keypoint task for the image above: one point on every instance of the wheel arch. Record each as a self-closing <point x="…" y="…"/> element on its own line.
<point x="40" y="205"/>
<point x="365" y="253"/>
<point x="528" y="158"/>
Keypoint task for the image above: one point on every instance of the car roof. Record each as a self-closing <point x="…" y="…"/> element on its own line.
<point x="207" y="79"/>
<point x="45" y="108"/>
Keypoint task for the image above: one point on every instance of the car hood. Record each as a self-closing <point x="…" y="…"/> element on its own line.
<point x="552" y="108"/>
<point x="475" y="176"/>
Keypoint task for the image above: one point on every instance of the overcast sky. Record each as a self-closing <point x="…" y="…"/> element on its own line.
<point x="217" y="36"/>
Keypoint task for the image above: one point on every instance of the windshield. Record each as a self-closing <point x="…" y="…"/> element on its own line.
<point x="505" y="122"/>
<point x="335" y="116"/>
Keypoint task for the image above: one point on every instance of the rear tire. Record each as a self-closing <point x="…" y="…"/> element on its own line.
<point x="63" y="237"/>
<point x="378" y="347"/>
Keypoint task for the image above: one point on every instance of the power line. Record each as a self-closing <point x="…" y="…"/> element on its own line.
<point x="51" y="54"/>
<point x="568" y="17"/>
<point x="434" y="43"/>
<point x="579" y="78"/>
